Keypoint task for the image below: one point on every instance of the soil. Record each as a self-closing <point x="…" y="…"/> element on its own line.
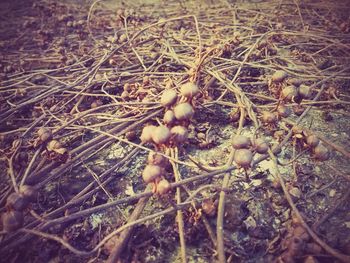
<point x="81" y="79"/>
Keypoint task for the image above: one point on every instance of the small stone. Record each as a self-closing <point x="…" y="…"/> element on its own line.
<point x="332" y="192"/>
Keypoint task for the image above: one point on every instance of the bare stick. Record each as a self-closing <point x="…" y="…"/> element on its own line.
<point x="125" y="235"/>
<point x="328" y="249"/>
<point x="179" y="217"/>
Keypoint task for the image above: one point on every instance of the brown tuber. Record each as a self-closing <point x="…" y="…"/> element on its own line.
<point x="189" y="90"/>
<point x="297" y="130"/>
<point x="12" y="220"/>
<point x="179" y="134"/>
<point x="294" y="81"/>
<point x="260" y="146"/>
<point x="53" y="145"/>
<point x="163" y="187"/>
<point x="243" y="157"/>
<point x="130" y="135"/>
<point x="56" y="146"/>
<point x="276" y="149"/>
<point x="146" y="135"/>
<point x="183" y="111"/>
<point x="279" y="76"/>
<point x="321" y="152"/>
<point x="168" y="98"/>
<point x="304" y="91"/>
<point x="17" y="201"/>
<point x="169" y="117"/>
<point x="312" y="140"/>
<point x="156" y="159"/>
<point x="283" y="111"/>
<point x="45" y="134"/>
<point x="161" y="134"/>
<point x="288" y="93"/>
<point x="125" y="95"/>
<point x="151" y="173"/>
<point x="268" y="117"/>
<point x="240" y="141"/>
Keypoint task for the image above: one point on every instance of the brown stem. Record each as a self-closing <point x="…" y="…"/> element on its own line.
<point x="125" y="235"/>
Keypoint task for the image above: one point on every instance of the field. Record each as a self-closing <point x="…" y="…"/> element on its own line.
<point x="185" y="131"/>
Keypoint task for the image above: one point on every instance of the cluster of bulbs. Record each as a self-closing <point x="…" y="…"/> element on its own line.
<point x="173" y="132"/>
<point x="245" y="148"/>
<point x="16" y="203"/>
